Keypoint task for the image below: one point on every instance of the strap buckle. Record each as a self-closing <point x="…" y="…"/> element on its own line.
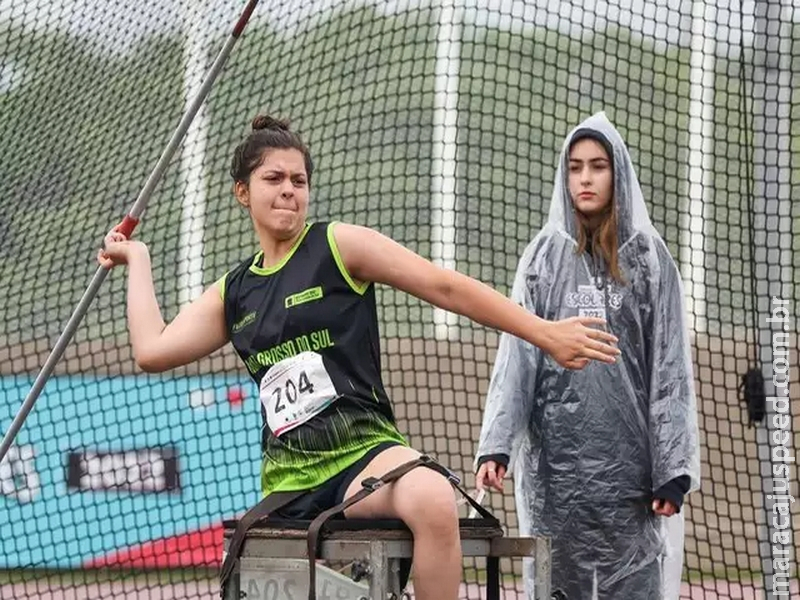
<point x="432" y="464"/>
<point x="451" y="477"/>
<point x="372" y="483"/>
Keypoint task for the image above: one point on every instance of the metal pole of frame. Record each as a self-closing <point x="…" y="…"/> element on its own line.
<point x="776" y="299"/>
<point x="445" y="159"/>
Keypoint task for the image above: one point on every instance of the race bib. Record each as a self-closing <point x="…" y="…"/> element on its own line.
<point x="294" y="390"/>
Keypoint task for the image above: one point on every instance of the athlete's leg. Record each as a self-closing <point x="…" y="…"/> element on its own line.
<point x="426" y="502"/>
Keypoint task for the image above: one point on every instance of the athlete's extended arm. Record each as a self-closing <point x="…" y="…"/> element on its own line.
<point x="198" y="330"/>
<point x="371" y="256"/>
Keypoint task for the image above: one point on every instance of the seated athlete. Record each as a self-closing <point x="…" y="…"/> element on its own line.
<point x="301" y="314"/>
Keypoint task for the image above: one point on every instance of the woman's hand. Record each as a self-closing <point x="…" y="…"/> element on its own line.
<point x="573" y="342"/>
<point x="118" y="250"/>
<point x="665" y="508"/>
<point x="490" y="474"/>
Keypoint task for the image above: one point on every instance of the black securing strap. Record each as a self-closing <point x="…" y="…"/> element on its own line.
<point x="271" y="503"/>
<point x="369" y="485"/>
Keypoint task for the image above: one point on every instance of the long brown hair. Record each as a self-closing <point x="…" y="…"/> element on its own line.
<point x="603" y="239"/>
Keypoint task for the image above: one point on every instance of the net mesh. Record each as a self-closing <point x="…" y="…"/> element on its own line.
<point x="438" y="124"/>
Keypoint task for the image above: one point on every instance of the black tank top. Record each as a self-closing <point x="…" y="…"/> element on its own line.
<point x="308" y="335"/>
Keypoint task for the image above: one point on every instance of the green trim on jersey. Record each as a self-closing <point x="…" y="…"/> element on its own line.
<point x="254" y="268"/>
<point x="220" y="283"/>
<point x="358" y="289"/>
<point x="307" y="470"/>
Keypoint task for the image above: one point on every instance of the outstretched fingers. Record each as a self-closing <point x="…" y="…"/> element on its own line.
<point x="596" y="350"/>
<point x="600" y="344"/>
<point x="597" y="325"/>
<point x="577" y="364"/>
<point x="602" y="336"/>
<point x="577" y="340"/>
<point x="600" y="352"/>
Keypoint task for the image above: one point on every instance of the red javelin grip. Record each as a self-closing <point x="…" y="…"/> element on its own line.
<point x="127" y="226"/>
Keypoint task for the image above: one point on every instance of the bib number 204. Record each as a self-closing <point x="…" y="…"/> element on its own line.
<point x="291" y="391"/>
<point x="295" y="390"/>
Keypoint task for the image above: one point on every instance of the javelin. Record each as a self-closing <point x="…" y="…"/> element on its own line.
<point x="126" y="227"/>
<point x="479" y="499"/>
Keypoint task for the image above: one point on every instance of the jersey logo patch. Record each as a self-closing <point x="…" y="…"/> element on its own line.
<point x="244" y="322"/>
<point x="309" y="295"/>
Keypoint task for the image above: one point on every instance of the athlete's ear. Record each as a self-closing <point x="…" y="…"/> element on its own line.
<point x="242" y="193"/>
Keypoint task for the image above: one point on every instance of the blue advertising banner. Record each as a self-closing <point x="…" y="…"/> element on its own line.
<point x="106" y="465"/>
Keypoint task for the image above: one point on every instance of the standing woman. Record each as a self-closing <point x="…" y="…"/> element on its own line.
<point x="302" y="316"/>
<point x="604" y="455"/>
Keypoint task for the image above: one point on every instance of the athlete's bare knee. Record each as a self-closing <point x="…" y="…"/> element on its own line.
<point x="426" y="502"/>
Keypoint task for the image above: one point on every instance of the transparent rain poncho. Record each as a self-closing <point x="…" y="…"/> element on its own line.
<point x="589" y="448"/>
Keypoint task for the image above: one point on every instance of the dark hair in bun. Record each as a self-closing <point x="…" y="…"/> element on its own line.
<point x="269" y="122"/>
<point x="268" y="133"/>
